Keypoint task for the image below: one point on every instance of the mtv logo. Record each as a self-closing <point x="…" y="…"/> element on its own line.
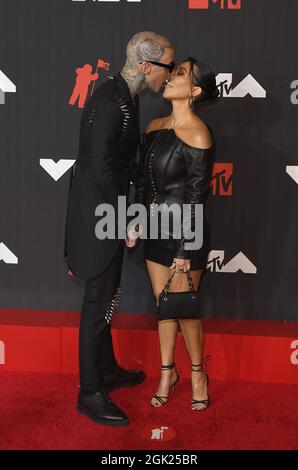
<point x="221" y="179"/>
<point x="204" y="4"/>
<point x="6" y="86"/>
<point x="216" y="263"/>
<point x="247" y="86"/>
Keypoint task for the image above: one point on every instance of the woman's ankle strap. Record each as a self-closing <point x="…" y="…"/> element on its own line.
<point x="168" y="366"/>
<point x="200" y="367"/>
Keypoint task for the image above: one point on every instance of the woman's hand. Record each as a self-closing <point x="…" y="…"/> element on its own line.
<point x="180" y="265"/>
<point x="133" y="235"/>
<point x="129" y="242"/>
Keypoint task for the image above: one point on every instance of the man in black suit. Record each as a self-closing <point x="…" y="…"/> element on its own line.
<point x="109" y="138"/>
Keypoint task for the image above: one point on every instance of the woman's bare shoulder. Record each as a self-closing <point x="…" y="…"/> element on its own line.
<point x="196" y="135"/>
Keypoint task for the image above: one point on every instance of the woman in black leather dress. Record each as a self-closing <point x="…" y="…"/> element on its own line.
<point x="175" y="167"/>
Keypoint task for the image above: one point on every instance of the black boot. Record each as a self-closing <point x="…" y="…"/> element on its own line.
<point x="101" y="409"/>
<point x="122" y="378"/>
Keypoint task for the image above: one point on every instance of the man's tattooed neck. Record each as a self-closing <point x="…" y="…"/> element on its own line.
<point x="135" y="80"/>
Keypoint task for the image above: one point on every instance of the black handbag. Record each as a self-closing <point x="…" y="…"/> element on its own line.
<point x="175" y="305"/>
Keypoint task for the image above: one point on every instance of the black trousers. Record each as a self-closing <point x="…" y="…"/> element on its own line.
<point x="101" y="300"/>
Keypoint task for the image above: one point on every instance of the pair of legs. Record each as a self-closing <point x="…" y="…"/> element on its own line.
<point x="101" y="300"/>
<point x="191" y="330"/>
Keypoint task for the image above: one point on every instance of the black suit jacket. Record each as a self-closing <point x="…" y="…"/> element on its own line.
<point x="109" y="138"/>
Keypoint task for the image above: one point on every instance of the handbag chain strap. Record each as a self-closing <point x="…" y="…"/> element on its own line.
<point x="190" y="282"/>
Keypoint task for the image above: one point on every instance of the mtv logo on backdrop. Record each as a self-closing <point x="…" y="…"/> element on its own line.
<point x="221" y="179"/>
<point x="205" y="4"/>
<point x="6" y="86"/>
<point x="247" y="86"/>
<point x="240" y="262"/>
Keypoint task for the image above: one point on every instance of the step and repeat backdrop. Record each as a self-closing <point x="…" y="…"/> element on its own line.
<point x="54" y="53"/>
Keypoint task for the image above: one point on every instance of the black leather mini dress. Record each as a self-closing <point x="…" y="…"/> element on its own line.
<point x="171" y="171"/>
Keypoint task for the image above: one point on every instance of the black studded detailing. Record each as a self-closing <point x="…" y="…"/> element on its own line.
<point x="126" y="116"/>
<point x="154" y="192"/>
<point x="150" y="163"/>
<point x="113" y="305"/>
<point x="126" y="109"/>
<point x="91" y="116"/>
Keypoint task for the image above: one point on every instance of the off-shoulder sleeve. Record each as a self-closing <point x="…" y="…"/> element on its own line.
<point x="199" y="166"/>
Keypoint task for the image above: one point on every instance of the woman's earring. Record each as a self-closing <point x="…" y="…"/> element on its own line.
<point x="190" y="101"/>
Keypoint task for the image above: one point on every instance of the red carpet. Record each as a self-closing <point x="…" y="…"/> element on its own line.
<point x="38" y="412"/>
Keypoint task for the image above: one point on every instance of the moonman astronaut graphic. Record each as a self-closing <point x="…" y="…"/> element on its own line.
<point x="83" y="80"/>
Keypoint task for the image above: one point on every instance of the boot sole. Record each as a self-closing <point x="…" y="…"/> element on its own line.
<point x="105" y="422"/>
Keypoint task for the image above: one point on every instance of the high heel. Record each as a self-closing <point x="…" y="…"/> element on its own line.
<point x="200" y="368"/>
<point x="164" y="400"/>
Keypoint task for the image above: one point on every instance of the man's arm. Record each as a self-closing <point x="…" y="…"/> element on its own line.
<point x="106" y="132"/>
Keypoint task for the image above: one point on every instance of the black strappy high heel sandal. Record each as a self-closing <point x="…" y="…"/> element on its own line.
<point x="204" y="402"/>
<point x="164" y="400"/>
